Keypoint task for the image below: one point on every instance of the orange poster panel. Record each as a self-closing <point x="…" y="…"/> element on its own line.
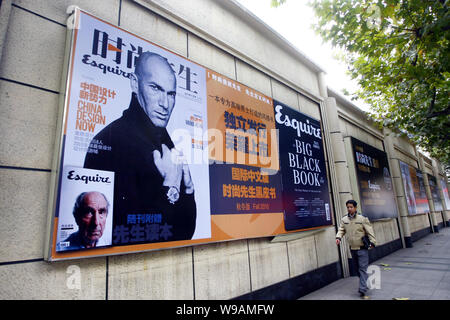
<point x="244" y="120"/>
<point x="245" y="182"/>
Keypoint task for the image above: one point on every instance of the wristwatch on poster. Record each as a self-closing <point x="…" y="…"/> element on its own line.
<point x="173" y="194"/>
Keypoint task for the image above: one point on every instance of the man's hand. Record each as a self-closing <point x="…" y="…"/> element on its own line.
<point x="169" y="166"/>
<point x="338" y="242"/>
<point x="187" y="178"/>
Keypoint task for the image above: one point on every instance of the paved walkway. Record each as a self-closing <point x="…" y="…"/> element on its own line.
<point x="418" y="273"/>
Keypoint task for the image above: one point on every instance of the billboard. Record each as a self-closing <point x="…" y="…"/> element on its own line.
<point x="374" y="181"/>
<point x="435" y="193"/>
<point x="125" y="162"/>
<point x="243" y="156"/>
<point x="306" y="199"/>
<point x="445" y="193"/>
<point x="414" y="187"/>
<point x="157" y="151"/>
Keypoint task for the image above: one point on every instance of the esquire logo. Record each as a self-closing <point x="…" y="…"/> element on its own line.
<point x="72" y="175"/>
<point x="295" y="124"/>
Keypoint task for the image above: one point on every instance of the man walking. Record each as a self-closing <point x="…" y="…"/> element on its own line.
<point x="356" y="227"/>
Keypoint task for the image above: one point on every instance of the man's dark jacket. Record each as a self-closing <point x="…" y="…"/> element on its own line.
<point x="138" y="186"/>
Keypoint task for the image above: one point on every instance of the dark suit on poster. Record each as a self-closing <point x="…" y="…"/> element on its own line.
<point x="142" y="212"/>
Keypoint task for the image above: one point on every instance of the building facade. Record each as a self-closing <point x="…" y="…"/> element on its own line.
<point x="224" y="37"/>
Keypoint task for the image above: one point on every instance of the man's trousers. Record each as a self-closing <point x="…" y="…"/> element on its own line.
<point x="361" y="261"/>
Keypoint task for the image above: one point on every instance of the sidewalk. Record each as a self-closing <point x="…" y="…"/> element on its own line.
<point x="418" y="273"/>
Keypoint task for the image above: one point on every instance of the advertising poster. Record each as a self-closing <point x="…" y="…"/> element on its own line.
<point x="132" y="113"/>
<point x="446" y="195"/>
<point x="420" y="193"/>
<point x="374" y="181"/>
<point x="435" y="193"/>
<point x="306" y="199"/>
<point x="416" y="197"/>
<point x="244" y="167"/>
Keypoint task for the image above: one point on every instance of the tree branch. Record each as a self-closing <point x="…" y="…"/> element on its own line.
<point x="439" y="113"/>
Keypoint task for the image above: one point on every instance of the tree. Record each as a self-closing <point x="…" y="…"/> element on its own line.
<point x="398" y="51"/>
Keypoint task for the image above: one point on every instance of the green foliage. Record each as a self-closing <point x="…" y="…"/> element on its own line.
<point x="399" y="53"/>
<point x="277" y="3"/>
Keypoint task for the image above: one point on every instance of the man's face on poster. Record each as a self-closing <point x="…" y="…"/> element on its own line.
<point x="154" y="83"/>
<point x="92" y="217"/>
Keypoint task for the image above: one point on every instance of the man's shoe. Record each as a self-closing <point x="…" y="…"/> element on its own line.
<point x="363" y="295"/>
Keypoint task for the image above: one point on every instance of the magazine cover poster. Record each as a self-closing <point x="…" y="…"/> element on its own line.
<point x="374" y="181"/>
<point x="414" y="187"/>
<point x="139" y="111"/>
<point x="243" y="158"/>
<point x="445" y="193"/>
<point x="243" y="154"/>
<point x="305" y="193"/>
<point x="408" y="188"/>
<point x="435" y="193"/>
<point x="86" y="209"/>
<point x="420" y="193"/>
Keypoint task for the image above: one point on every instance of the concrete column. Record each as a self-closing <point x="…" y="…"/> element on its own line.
<point x="405" y="231"/>
<point x="339" y="174"/>
<point x="437" y="172"/>
<point x="352" y="170"/>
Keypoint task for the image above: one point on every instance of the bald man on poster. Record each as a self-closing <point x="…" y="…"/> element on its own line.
<point x="90" y="213"/>
<point x="149" y="183"/>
